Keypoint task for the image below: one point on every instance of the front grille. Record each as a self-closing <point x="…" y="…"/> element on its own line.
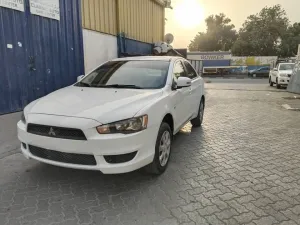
<point x="63" y="157"/>
<point x="56" y="132"/>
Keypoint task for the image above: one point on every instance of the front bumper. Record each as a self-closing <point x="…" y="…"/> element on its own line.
<point x="97" y="145"/>
<point x="283" y="80"/>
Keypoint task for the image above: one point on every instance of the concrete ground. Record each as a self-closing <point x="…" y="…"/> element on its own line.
<point x="241" y="167"/>
<point x="8" y="134"/>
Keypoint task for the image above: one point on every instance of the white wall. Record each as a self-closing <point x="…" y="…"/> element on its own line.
<point x="98" y="48"/>
<point x="253" y="60"/>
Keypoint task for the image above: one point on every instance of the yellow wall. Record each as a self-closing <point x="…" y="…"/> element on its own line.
<point x="142" y="20"/>
<point x="99" y="15"/>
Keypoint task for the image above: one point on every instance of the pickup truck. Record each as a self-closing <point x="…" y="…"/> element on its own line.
<point x="281" y="74"/>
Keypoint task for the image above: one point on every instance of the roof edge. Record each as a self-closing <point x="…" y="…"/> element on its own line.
<point x="161" y="2"/>
<point x="164" y="3"/>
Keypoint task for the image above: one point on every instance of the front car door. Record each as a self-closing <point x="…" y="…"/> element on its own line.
<point x="196" y="89"/>
<point x="180" y="98"/>
<point x="274" y="73"/>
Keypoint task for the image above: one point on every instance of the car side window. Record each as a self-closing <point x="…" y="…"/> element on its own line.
<point x="178" y="70"/>
<point x="191" y="73"/>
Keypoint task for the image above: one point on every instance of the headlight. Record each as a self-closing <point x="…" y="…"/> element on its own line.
<point x="23" y="118"/>
<point x="125" y="126"/>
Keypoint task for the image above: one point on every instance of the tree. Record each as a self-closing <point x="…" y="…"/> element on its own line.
<point x="290" y="41"/>
<point x="220" y="35"/>
<point x="262" y="34"/>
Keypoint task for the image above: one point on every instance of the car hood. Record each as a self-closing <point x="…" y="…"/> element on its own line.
<point x="102" y="104"/>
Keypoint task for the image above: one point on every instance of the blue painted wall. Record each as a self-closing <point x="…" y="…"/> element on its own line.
<point x="47" y="54"/>
<point x="127" y="47"/>
<point x="215" y="63"/>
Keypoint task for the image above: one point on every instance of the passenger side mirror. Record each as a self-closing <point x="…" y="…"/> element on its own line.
<point x="275" y="69"/>
<point x="183" y="82"/>
<point x="80" y="77"/>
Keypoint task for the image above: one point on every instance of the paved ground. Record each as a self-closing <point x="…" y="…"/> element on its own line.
<point x="241" y="167"/>
<point x="8" y="133"/>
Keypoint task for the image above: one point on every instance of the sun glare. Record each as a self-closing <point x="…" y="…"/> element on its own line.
<point x="189" y="13"/>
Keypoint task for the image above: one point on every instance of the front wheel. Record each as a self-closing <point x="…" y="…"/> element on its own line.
<point x="277" y="85"/>
<point x="162" y="150"/>
<point x="270" y="82"/>
<point x="199" y="119"/>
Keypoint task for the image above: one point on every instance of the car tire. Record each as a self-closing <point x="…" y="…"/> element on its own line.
<point x="162" y="150"/>
<point x="277" y="85"/>
<point x="199" y="119"/>
<point x="270" y="82"/>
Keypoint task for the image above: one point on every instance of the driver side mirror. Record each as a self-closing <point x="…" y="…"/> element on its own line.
<point x="275" y="69"/>
<point x="80" y="77"/>
<point x="183" y="82"/>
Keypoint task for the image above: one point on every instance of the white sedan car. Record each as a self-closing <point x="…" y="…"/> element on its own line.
<point x="119" y="118"/>
<point x="281" y="74"/>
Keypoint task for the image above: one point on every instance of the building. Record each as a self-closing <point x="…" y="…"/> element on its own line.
<point x="223" y="63"/>
<point x="209" y="62"/>
<point x="45" y="47"/>
<point x="131" y="25"/>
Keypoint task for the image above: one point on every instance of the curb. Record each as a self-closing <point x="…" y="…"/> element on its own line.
<point x="288" y="107"/>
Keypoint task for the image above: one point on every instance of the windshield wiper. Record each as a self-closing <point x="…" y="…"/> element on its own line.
<point x="83" y="84"/>
<point x="120" y="86"/>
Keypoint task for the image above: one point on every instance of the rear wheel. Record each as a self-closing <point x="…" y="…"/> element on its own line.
<point x="199" y="119"/>
<point x="270" y="82"/>
<point x="162" y="150"/>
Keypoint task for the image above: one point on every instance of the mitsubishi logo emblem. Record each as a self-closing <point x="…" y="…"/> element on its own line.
<point x="51" y="132"/>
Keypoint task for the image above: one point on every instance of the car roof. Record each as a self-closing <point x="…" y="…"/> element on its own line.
<point x="148" y="58"/>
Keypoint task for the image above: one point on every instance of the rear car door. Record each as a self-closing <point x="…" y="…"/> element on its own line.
<point x="195" y="89"/>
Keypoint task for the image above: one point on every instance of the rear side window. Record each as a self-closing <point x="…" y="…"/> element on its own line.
<point x="191" y="73"/>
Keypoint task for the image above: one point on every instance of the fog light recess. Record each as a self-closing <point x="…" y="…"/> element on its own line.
<point x="114" y="159"/>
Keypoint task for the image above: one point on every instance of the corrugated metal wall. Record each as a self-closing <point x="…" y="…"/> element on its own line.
<point x="46" y="54"/>
<point x="99" y="15"/>
<point x="129" y="47"/>
<point x="142" y="20"/>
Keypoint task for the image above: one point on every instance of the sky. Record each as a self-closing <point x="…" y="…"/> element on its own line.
<point x="187" y="17"/>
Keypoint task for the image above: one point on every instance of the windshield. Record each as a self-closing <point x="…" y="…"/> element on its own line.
<point x="128" y="74"/>
<point x="286" y="66"/>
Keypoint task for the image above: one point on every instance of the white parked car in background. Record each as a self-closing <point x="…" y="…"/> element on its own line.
<point x="119" y="118"/>
<point x="281" y="74"/>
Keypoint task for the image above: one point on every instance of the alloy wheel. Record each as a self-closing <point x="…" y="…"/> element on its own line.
<point x="164" y="148"/>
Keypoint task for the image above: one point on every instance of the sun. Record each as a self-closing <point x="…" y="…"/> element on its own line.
<point x="189" y="13"/>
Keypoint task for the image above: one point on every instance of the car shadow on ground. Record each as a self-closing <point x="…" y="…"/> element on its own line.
<point x="79" y="182"/>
